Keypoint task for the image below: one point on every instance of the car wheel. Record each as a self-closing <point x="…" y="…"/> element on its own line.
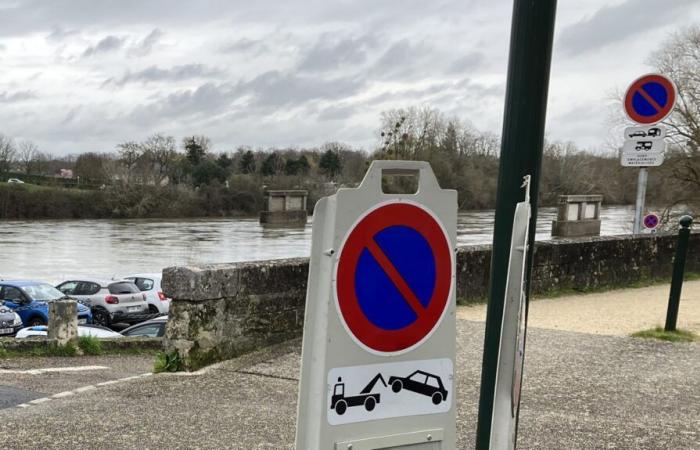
<point x="36" y="321"/>
<point x="340" y="407"/>
<point x="101" y="317"/>
<point x="437" y="398"/>
<point x="370" y="403"/>
<point x="396" y="386"/>
<point x="153" y="310"/>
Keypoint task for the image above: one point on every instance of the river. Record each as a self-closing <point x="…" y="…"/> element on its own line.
<point x="52" y="250"/>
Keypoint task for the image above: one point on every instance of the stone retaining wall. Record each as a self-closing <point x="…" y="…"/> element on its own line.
<point x="224" y="310"/>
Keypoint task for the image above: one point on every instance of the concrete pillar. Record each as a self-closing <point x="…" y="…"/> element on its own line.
<point x="63" y="321"/>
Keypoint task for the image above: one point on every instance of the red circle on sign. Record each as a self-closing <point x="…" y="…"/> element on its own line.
<point x="662" y="110"/>
<point x="366" y="333"/>
<point x="651" y="221"/>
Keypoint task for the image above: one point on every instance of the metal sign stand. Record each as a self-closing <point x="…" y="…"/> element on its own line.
<point x="641" y="195"/>
<point x="379" y="344"/>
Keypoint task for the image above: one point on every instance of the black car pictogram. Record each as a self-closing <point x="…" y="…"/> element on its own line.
<point x="421" y="383"/>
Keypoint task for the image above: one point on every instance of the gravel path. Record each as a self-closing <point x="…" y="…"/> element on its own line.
<point x="615" y="313"/>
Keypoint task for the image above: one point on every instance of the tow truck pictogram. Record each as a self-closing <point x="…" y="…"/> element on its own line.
<point x="341" y="403"/>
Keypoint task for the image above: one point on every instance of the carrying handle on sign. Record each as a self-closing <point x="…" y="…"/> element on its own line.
<point x="426" y="178"/>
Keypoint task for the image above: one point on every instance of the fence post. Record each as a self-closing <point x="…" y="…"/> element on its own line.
<point x="674" y="298"/>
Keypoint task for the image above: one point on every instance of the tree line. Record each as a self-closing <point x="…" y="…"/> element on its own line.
<point x="157" y="177"/>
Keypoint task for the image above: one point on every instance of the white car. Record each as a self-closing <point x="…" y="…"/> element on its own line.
<point x="15" y="180"/>
<point x="111" y="301"/>
<point x="83" y="330"/>
<point x="149" y="284"/>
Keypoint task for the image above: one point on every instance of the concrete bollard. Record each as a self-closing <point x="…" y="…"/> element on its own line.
<point x="63" y="321"/>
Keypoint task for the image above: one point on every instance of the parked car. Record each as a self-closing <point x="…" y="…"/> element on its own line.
<point x="111" y="301"/>
<point x="149" y="283"/>
<point x="83" y="330"/>
<point x="10" y="322"/>
<point x="15" y="180"/>
<point x="30" y="300"/>
<point x="150" y="328"/>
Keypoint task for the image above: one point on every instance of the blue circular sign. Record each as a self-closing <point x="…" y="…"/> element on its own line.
<point x="378" y="296"/>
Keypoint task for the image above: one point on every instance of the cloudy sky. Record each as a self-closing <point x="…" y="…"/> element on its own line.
<point x="81" y="75"/>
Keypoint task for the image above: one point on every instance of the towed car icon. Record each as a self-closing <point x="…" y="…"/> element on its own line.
<point x="421" y="383"/>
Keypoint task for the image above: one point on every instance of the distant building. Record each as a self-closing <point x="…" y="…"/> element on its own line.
<point x="65" y="173"/>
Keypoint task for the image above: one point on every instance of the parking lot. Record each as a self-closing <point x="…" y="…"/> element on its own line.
<point x="581" y="391"/>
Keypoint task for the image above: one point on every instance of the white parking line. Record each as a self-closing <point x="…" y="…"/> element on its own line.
<point x="80" y="390"/>
<point x="63" y="394"/>
<point x="52" y="370"/>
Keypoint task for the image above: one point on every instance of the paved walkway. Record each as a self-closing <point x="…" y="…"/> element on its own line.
<point x="615" y="313"/>
<point x="581" y="391"/>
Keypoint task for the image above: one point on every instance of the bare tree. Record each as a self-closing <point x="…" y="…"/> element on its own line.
<point x="161" y="152"/>
<point x="129" y="154"/>
<point x="8" y="153"/>
<point x="679" y="59"/>
<point x="27" y="154"/>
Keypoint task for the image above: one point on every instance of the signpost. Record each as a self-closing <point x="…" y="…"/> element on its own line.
<point x="651" y="222"/>
<point x="532" y="33"/>
<point x="649" y="100"/>
<point x="379" y="332"/>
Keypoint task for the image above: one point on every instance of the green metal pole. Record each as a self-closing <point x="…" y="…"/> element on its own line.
<point x="532" y="33"/>
<point x="674" y="299"/>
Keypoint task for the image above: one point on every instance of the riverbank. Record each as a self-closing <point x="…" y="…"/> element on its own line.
<point x="28" y="201"/>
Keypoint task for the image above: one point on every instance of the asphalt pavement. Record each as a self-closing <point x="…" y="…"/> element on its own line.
<point x="581" y="391"/>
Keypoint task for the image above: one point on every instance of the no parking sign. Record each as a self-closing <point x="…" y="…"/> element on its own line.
<point x="379" y="332"/>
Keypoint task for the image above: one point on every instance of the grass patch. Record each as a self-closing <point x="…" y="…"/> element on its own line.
<point x="168" y="362"/>
<point x="90" y="345"/>
<point x="4" y="353"/>
<point x="670" y="336"/>
<point x="67" y="350"/>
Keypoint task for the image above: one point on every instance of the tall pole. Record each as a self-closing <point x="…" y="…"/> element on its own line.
<point x="674" y="298"/>
<point x="641" y="195"/>
<point x="532" y="32"/>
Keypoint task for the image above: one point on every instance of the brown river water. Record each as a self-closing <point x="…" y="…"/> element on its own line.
<point x="52" y="250"/>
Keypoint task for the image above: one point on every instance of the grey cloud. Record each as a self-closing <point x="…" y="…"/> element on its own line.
<point x="611" y="24"/>
<point x="470" y="61"/>
<point x="107" y="44"/>
<point x="329" y="53"/>
<point x="144" y="47"/>
<point x="337" y="112"/>
<point x="404" y="59"/>
<point x="176" y="73"/>
<point x="244" y="45"/>
<point x="59" y="34"/>
<point x="208" y="99"/>
<point x="275" y="88"/>
<point x="7" y="97"/>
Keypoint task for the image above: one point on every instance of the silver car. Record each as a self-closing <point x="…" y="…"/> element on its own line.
<point x="10" y="322"/>
<point x="149" y="284"/>
<point x="111" y="301"/>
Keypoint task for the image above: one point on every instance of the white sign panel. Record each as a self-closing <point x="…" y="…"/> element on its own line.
<point x="379" y="328"/>
<point x="642" y="159"/>
<point x="511" y="353"/>
<point x="643" y="146"/>
<point x="645" y="133"/>
<point x="381" y="391"/>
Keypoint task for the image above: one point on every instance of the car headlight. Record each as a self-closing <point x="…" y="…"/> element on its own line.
<point x="17" y="321"/>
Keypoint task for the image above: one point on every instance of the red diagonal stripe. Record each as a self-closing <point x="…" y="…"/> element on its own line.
<point x="395" y="277"/>
<point x="649" y="98"/>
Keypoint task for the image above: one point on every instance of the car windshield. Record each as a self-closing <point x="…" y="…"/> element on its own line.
<point x="43" y="292"/>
